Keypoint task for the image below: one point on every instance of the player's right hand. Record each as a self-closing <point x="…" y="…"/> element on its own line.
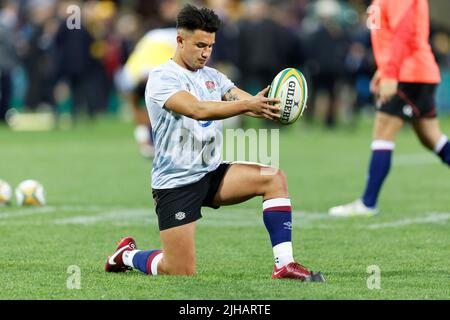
<point x="265" y="107"/>
<point x="388" y="88"/>
<point x="375" y="83"/>
<point x="375" y="87"/>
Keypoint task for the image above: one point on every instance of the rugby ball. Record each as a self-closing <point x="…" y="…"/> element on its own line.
<point x="5" y="193"/>
<point x="290" y="87"/>
<point x="30" y="193"/>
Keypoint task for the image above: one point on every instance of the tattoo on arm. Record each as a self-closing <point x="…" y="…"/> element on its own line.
<point x="230" y="96"/>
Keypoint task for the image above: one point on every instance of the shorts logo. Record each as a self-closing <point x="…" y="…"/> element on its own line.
<point x="211" y="86"/>
<point x="180" y="215"/>
<point x="288" y="225"/>
<point x="407" y="111"/>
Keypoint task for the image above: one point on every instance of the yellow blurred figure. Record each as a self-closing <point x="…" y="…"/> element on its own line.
<point x="155" y="48"/>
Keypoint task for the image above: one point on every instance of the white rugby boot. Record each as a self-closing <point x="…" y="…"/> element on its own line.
<point x="353" y="209"/>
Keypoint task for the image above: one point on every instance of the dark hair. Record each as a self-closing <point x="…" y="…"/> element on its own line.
<point x="192" y="18"/>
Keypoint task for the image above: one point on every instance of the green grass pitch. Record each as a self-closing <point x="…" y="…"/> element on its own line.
<point x="97" y="188"/>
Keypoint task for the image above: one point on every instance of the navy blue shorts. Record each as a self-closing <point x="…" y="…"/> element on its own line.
<point x="178" y="206"/>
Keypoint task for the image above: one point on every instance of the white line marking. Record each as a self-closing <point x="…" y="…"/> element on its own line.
<point x="434" y="217"/>
<point x="28" y="211"/>
<point x="226" y="216"/>
<point x="425" y="158"/>
<point x="236" y="217"/>
<point x="113" y="215"/>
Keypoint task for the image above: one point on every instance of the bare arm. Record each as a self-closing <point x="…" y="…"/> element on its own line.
<point x="186" y="104"/>
<point x="235" y="94"/>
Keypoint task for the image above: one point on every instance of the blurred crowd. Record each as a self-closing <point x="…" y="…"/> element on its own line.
<point x="47" y="64"/>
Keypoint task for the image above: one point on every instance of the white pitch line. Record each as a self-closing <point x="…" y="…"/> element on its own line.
<point x="434" y="217"/>
<point x="26" y="212"/>
<point x="415" y="159"/>
<point x="239" y="217"/>
<point x="232" y="218"/>
<point x="131" y="218"/>
<point x="110" y="215"/>
<point x="46" y="209"/>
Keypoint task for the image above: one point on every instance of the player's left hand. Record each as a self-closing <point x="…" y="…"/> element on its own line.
<point x="270" y="108"/>
<point x="388" y="88"/>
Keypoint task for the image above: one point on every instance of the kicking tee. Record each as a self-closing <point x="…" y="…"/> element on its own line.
<point x="185" y="149"/>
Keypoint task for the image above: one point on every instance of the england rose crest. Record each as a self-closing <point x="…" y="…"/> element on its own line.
<point x="210" y="85"/>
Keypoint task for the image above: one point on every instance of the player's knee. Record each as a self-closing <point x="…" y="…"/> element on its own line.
<point x="281" y="178"/>
<point x="278" y="181"/>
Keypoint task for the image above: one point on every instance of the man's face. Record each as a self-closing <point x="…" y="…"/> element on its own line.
<point x="195" y="47"/>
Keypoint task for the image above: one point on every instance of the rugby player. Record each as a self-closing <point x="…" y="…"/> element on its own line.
<point x="405" y="85"/>
<point x="186" y="101"/>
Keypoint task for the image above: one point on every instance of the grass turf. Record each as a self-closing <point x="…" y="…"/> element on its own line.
<point x="98" y="190"/>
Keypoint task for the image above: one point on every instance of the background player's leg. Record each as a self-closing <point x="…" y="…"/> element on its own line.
<point x="428" y="131"/>
<point x="386" y="126"/>
<point x="142" y="131"/>
<point x="384" y="133"/>
<point x="431" y="136"/>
